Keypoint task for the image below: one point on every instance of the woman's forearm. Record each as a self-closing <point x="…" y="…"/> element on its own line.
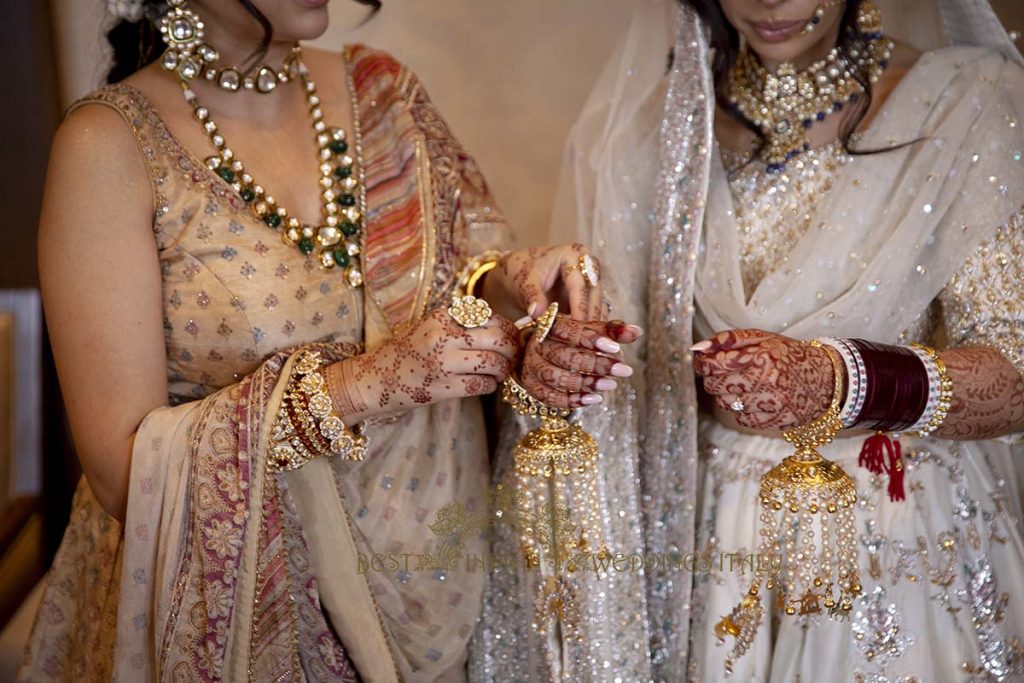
<point x="988" y="395"/>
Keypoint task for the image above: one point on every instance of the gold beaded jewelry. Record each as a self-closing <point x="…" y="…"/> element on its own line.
<point x="191" y="58"/>
<point x="546" y="322"/>
<point x="588" y="269"/>
<point x="307" y="425"/>
<point x="514" y="394"/>
<point x="335" y="238"/>
<point x="807" y="576"/>
<point x="945" y="389"/>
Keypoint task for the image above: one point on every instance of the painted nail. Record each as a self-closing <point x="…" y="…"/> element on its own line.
<point x="607" y="345"/>
<point x="532" y="309"/>
<point x="639" y="330"/>
<point x="523" y="322"/>
<point x="621" y="370"/>
<point x="591" y="399"/>
<point x="701" y="346"/>
<point x="605" y="384"/>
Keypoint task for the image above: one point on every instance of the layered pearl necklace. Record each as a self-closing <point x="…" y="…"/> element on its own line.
<point x="336" y="238"/>
<point x="785" y="105"/>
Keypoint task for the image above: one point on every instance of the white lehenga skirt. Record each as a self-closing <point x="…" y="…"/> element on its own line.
<point x="943" y="570"/>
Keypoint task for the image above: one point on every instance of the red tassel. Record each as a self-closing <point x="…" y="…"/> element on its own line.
<point x="896" y="472"/>
<point x="873" y="457"/>
<point x="872" y="453"/>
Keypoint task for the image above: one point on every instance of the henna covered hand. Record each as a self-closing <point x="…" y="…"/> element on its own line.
<point x="434" y="361"/>
<point x="533" y="278"/>
<point x="988" y="395"/>
<point x="781" y="382"/>
<point x="576" y="360"/>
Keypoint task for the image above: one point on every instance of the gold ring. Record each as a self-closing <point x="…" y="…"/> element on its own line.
<point x="469" y="311"/>
<point x="546" y="321"/>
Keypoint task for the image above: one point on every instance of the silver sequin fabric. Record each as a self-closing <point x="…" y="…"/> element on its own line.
<point x="944" y="566"/>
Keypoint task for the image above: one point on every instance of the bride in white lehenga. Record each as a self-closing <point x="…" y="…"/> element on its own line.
<point x="921" y="241"/>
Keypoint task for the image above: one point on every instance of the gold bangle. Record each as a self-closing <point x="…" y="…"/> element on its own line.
<point x="307" y="425"/>
<point x="945" y="392"/>
<point x="475" y="269"/>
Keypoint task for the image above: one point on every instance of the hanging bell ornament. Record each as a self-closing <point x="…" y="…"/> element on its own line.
<point x="803" y="491"/>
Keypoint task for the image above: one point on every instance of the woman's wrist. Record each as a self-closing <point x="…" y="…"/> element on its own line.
<point x="346" y="394"/>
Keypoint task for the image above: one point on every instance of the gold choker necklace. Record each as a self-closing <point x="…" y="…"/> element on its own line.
<point x="191" y="57"/>
<point x="785" y="105"/>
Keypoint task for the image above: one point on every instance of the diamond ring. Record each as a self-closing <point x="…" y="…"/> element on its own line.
<point x="737" y="406"/>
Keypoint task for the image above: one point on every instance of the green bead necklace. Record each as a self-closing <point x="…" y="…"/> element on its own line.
<point x="336" y="239"/>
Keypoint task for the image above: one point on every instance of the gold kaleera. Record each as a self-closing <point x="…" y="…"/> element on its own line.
<point x="556" y="475"/>
<point x="805" y="576"/>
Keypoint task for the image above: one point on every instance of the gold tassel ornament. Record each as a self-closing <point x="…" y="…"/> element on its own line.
<point x="809" y="570"/>
<point x="558" y="509"/>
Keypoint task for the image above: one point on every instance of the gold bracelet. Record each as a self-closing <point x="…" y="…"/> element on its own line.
<point x="522" y="402"/>
<point x="821" y="430"/>
<point x="307" y="424"/>
<point x="474" y="270"/>
<point x="945" y="388"/>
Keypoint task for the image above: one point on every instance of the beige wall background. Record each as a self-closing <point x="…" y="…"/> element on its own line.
<point x="508" y="75"/>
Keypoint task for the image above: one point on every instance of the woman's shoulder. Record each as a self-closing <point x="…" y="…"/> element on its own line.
<point x="104" y="132"/>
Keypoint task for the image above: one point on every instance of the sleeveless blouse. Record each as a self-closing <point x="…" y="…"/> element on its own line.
<point x="233" y="292"/>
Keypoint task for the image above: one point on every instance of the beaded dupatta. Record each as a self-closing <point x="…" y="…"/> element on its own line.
<point x="668" y="463"/>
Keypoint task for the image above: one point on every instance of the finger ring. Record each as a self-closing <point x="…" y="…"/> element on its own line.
<point x="546" y="321"/>
<point x="588" y="268"/>
<point x="737" y="406"/>
<point x="469" y="311"/>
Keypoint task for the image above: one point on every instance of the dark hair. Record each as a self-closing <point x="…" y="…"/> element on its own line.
<point x="138" y="43"/>
<point x="725" y="41"/>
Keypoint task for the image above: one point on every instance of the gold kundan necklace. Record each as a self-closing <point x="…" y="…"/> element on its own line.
<point x="785" y="105"/>
<point x="336" y="238"/>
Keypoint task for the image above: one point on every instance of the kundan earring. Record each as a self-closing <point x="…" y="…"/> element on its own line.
<point x="192" y="58"/>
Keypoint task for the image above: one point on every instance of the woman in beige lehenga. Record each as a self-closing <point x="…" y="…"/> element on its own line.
<point x="221" y="328"/>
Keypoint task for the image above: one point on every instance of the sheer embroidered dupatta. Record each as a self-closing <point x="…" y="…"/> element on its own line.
<point x="197" y="588"/>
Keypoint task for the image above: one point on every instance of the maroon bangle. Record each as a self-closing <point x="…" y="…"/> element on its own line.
<point x="897" y="386"/>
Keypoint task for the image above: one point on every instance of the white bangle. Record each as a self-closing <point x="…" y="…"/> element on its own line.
<point x="856" y="380"/>
<point x="940" y="392"/>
